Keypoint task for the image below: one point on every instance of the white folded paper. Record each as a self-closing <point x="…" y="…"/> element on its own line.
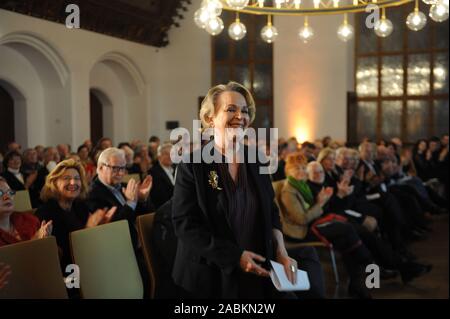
<point x="282" y="283"/>
<point x="373" y="196"/>
<point x="352" y="213"/>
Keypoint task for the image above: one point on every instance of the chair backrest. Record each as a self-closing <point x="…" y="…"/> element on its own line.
<point x="277" y="187"/>
<point x="35" y="270"/>
<point x="145" y="230"/>
<point x="22" y="201"/>
<point x="107" y="261"/>
<point x="136" y="177"/>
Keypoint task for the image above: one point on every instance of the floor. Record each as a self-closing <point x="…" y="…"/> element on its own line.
<point x="434" y="285"/>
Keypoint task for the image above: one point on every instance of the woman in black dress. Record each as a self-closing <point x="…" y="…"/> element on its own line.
<point x="224" y="214"/>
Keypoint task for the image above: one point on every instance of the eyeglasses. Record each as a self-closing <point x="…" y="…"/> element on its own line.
<point x="10" y="193"/>
<point x="116" y="169"/>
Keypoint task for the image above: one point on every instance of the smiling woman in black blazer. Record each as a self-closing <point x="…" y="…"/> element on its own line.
<point x="224" y="214"/>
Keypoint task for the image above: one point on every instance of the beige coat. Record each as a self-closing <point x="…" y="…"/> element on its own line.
<point x="295" y="219"/>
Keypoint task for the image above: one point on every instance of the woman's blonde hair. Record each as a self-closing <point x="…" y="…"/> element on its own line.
<point x="293" y="161"/>
<point x="50" y="191"/>
<point x="327" y="151"/>
<point x="209" y="104"/>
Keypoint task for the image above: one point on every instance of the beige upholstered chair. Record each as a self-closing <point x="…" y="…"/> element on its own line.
<point x="145" y="229"/>
<point x="35" y="270"/>
<point x="107" y="261"/>
<point x="22" y="201"/>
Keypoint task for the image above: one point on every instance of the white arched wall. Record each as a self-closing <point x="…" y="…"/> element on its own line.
<point x="20" y="79"/>
<point x="36" y="70"/>
<point x="120" y="81"/>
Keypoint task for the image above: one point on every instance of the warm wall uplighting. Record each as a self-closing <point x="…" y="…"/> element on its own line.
<point x="302" y="134"/>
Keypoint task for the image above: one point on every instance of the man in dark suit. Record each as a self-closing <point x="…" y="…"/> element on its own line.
<point x="107" y="190"/>
<point x="163" y="175"/>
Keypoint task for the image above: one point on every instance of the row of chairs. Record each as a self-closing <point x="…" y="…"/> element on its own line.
<point x="106" y="259"/>
<point x="104" y="255"/>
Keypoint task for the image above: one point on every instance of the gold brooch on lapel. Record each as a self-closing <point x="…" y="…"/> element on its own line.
<point x="214" y="180"/>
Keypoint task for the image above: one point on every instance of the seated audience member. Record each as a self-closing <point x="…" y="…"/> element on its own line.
<point x="89" y="145"/>
<point x="337" y="203"/>
<point x="30" y="167"/>
<point x="365" y="227"/>
<point x="153" y="145"/>
<point x="63" y="195"/>
<point x="17" y="227"/>
<point x="412" y="194"/>
<point x="394" y="220"/>
<point x="30" y="161"/>
<point x="420" y="153"/>
<point x="104" y="143"/>
<point x="407" y="163"/>
<point x="86" y="162"/>
<point x="129" y="155"/>
<point x="64" y="151"/>
<point x="5" y="272"/>
<point x="301" y="216"/>
<point x="318" y="147"/>
<point x="142" y="162"/>
<point x="342" y="168"/>
<point x="13" y="147"/>
<point x="283" y="151"/>
<point x="51" y="159"/>
<point x="163" y="174"/>
<point x="326" y="141"/>
<point x="40" y="153"/>
<point x="108" y="191"/>
<point x="17" y="179"/>
<point x="308" y="150"/>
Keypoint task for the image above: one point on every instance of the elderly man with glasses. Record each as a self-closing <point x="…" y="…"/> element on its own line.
<point x="107" y="190"/>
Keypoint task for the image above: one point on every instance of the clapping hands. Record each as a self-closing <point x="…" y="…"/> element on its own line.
<point x="45" y="230"/>
<point x="324" y="196"/>
<point x="100" y="216"/>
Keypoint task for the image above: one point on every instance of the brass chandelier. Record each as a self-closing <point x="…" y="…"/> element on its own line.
<point x="208" y="15"/>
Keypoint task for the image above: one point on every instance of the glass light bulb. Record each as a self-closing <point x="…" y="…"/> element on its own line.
<point x="429" y="2"/>
<point x="383" y="27"/>
<point x="416" y="20"/>
<point x="445" y="3"/>
<point x="306" y="33"/>
<point x="214" y="7"/>
<point x="345" y="32"/>
<point x="214" y="26"/>
<point x="261" y="3"/>
<point x="439" y="12"/>
<point x="269" y="33"/>
<point x="237" y="30"/>
<point x="201" y="17"/>
<point x="238" y="4"/>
